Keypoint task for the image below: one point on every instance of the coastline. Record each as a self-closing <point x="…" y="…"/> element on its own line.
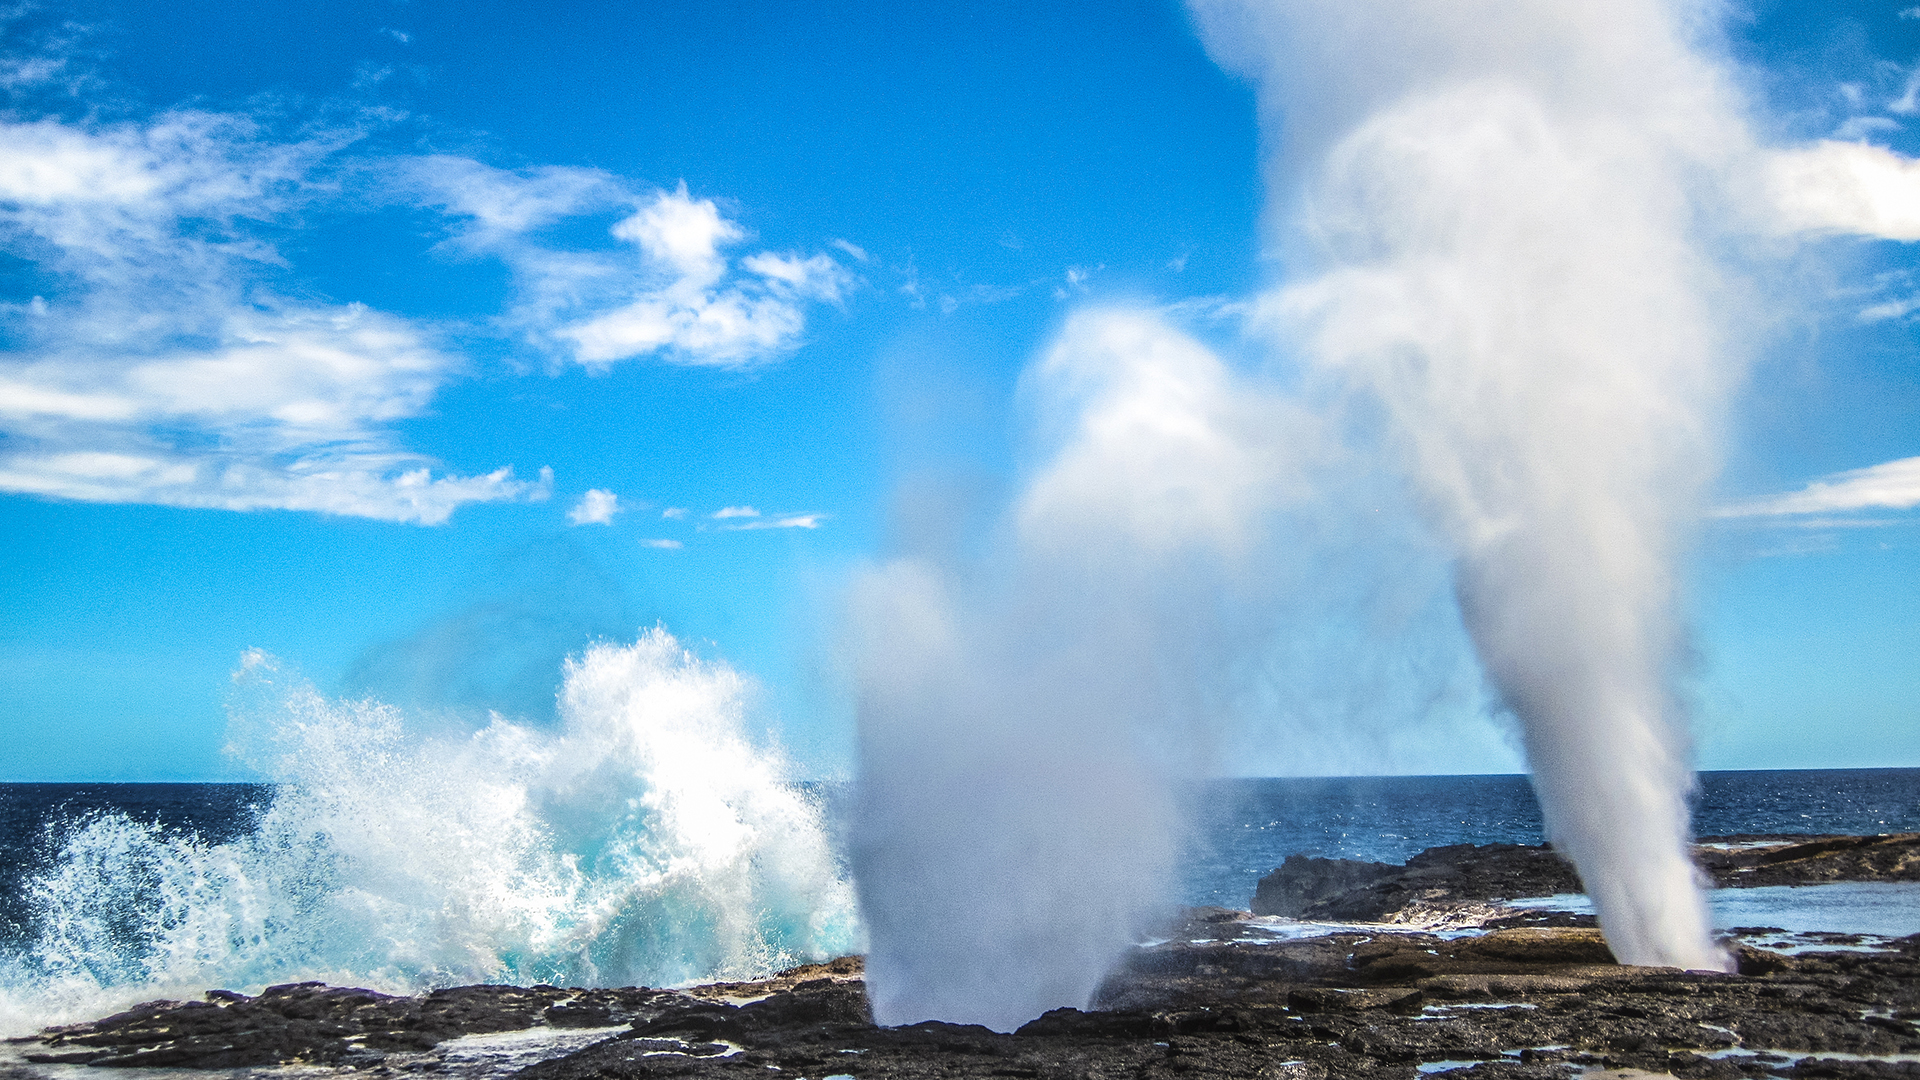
<point x="1454" y="980"/>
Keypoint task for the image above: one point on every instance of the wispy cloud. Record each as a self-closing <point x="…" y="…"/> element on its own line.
<point x="788" y="521"/>
<point x="177" y="357"/>
<point x="167" y="368"/>
<point x="735" y="512"/>
<point x="1908" y="102"/>
<point x="674" y="513"/>
<point x="1890" y="309"/>
<point x="670" y="290"/>
<point x="663" y="545"/>
<point x="1892" y="485"/>
<point x="596" y="507"/>
<point x="1076" y="280"/>
<point x="1860" y="127"/>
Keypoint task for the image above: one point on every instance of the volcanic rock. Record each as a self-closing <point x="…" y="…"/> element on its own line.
<point x="1530" y="1004"/>
<point x="1772" y="859"/>
<point x="1341" y="890"/>
<point x="313" y="1022"/>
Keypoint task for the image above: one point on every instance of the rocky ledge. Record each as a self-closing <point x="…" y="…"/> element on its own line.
<point x="1223" y="999"/>
<point x="1344" y="890"/>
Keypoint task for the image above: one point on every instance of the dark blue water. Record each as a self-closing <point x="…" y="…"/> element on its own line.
<point x="1243" y="828"/>
<point x="32" y="817"/>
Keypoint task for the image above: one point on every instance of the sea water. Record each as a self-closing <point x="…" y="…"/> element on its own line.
<point x="603" y="854"/>
<point x="1877" y="909"/>
<point x="1244" y="828"/>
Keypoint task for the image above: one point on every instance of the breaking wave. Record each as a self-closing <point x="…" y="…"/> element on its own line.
<point x="646" y="840"/>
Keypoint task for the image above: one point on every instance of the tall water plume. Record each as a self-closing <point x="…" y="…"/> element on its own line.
<point x="646" y="839"/>
<point x="1022" y="714"/>
<point x="1501" y="219"/>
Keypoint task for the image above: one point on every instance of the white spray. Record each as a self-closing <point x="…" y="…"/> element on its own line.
<point x="1021" y="717"/>
<point x="1499" y="219"/>
<point x="647" y="839"/>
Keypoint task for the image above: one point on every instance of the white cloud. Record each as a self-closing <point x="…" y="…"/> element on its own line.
<point x="674" y="513"/>
<point x="182" y="361"/>
<point x="788" y="521"/>
<point x="816" y="278"/>
<point x="496" y="207"/>
<point x="168" y="369"/>
<point x="596" y="507"/>
<point x="1891" y="309"/>
<point x="691" y="314"/>
<point x="370" y="486"/>
<point x="1892" y="485"/>
<point x="681" y="300"/>
<point x="664" y="545"/>
<point x="735" y="512"/>
<point x="1860" y="127"/>
<point x="1846" y="187"/>
<point x="683" y="235"/>
<point x="731" y="330"/>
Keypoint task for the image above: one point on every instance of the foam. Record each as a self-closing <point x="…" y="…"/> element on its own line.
<point x="645" y="840"/>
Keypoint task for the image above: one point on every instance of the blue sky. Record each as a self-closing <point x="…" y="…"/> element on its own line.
<point x="324" y="325"/>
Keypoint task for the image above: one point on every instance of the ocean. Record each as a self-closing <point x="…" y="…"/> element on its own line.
<point x="115" y="892"/>
<point x="1245" y="828"/>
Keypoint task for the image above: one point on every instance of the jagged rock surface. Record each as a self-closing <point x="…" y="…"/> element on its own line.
<point x="313" y="1022"/>
<point x="1771" y="859"/>
<point x="1522" y="1004"/>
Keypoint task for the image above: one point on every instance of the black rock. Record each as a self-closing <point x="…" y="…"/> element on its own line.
<point x="1341" y="890"/>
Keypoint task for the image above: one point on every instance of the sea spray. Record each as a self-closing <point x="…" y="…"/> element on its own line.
<point x="644" y="840"/>
<point x="1500" y="219"/>
<point x="1022" y="716"/>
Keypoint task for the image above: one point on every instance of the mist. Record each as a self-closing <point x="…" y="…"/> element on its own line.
<point x="502" y="641"/>
<point x="1025" y="713"/>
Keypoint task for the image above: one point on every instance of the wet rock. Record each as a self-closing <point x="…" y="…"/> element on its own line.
<point x="314" y="1022"/>
<point x="1340" y="890"/>
<point x="1304" y="881"/>
<point x="1343" y="890"/>
<point x="1205" y="924"/>
<point x="1775" y="859"/>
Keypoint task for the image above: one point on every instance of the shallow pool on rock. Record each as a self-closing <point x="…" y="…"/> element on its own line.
<point x="1881" y="908"/>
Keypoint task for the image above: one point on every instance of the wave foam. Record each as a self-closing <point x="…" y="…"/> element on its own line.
<point x="646" y="840"/>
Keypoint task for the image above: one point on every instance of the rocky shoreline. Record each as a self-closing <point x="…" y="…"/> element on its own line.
<point x="1529" y="996"/>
